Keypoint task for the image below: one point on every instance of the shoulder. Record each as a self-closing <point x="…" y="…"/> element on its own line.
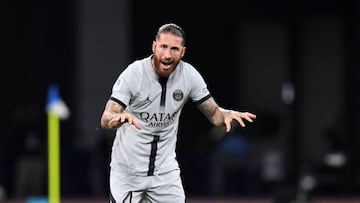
<point x="138" y="64"/>
<point x="189" y="71"/>
<point x="136" y="68"/>
<point x="187" y="67"/>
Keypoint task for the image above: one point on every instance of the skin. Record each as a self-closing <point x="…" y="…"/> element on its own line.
<point x="167" y="53"/>
<point x="168" y="50"/>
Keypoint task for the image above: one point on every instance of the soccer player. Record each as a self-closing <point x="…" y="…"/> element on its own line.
<point x="144" y="108"/>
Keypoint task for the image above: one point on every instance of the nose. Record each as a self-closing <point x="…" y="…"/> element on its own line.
<point x="167" y="54"/>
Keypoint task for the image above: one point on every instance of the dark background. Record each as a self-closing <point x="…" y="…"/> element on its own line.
<point x="247" y="51"/>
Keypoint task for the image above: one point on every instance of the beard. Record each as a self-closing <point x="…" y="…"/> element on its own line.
<point x="164" y="68"/>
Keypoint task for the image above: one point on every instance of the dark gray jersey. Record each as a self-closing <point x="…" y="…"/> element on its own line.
<point x="157" y="105"/>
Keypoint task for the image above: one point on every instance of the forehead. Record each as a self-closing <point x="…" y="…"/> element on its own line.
<point x="170" y="39"/>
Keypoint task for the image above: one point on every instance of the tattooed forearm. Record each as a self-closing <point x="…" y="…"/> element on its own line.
<point x="211" y="110"/>
<point x="111" y="108"/>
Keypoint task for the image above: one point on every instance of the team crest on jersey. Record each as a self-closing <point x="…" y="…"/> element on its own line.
<point x="178" y="95"/>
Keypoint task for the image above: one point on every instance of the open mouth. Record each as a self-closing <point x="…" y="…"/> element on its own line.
<point x="166" y="65"/>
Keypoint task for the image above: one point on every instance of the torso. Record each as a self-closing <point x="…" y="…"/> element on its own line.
<point x="157" y="114"/>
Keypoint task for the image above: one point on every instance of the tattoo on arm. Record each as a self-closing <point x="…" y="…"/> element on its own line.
<point x="208" y="108"/>
<point x="111" y="108"/>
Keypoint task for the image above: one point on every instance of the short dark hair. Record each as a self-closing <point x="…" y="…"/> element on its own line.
<point x="173" y="29"/>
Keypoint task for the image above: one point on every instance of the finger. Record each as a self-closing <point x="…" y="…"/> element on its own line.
<point x="253" y="116"/>
<point x="136" y="124"/>
<point x="228" y="126"/>
<point x="123" y="118"/>
<point x="133" y="121"/>
<point x="130" y="120"/>
<point x="248" y="119"/>
<point x="113" y="120"/>
<point x="248" y="116"/>
<point x="240" y="121"/>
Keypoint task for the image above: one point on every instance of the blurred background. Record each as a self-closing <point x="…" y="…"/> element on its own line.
<point x="293" y="63"/>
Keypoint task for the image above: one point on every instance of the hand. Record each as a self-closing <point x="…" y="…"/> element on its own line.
<point x="119" y="118"/>
<point x="238" y="116"/>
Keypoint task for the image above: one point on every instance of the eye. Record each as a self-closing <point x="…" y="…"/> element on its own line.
<point x="175" y="49"/>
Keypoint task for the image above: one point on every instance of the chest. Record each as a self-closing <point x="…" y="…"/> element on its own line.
<point x="155" y="96"/>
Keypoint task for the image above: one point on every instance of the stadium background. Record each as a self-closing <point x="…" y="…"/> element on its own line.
<point x="295" y="64"/>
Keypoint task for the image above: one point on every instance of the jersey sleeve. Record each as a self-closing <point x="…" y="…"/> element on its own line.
<point x="199" y="91"/>
<point x="121" y="91"/>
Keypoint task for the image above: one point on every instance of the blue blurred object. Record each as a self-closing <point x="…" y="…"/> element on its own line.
<point x="55" y="104"/>
<point x="37" y="199"/>
<point x="233" y="144"/>
<point x="53" y="94"/>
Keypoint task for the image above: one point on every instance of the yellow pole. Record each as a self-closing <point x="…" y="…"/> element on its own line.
<point x="53" y="158"/>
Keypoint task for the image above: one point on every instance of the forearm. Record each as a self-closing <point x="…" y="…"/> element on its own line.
<point x="212" y="112"/>
<point x="114" y="116"/>
<point x="112" y="110"/>
<point x="105" y="120"/>
<point x="219" y="116"/>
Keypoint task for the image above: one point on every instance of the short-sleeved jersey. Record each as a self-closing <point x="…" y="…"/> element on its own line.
<point x="157" y="104"/>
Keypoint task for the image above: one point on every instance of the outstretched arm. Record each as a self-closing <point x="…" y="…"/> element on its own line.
<point x="113" y="116"/>
<point x="220" y="116"/>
